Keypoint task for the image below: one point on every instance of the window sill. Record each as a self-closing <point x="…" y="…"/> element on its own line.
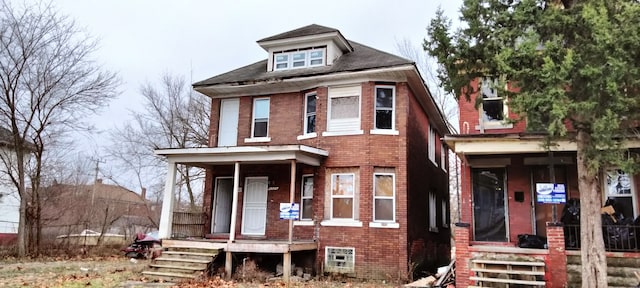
<point x="342" y="223"/>
<point x="257" y="139"/>
<point x="342" y="133"/>
<point x="384" y="132"/>
<point x="494" y="125"/>
<point x="393" y="225"/>
<point x="307" y="136"/>
<point x="304" y="223"/>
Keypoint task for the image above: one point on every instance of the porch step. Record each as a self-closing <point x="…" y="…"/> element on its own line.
<point x="180" y="263"/>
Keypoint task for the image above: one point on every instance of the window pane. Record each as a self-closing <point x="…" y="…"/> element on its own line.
<point x="345" y="107"/>
<point x="493" y="110"/>
<point x="384" y="119"/>
<point x="384" y="185"/>
<point x="282" y="58"/>
<point x="316" y="62"/>
<point x="261" y="109"/>
<point x="384" y="97"/>
<point x="311" y="103"/>
<point x="384" y="209"/>
<point x="342" y="185"/>
<point x="311" y="124"/>
<point x="298" y="64"/>
<point x="260" y="128"/>
<point x="299" y="56"/>
<point x="307" y="209"/>
<point x="342" y="208"/>
<point x="618" y="182"/>
<point x="308" y="187"/>
<point x="281" y="66"/>
<point x="316" y="54"/>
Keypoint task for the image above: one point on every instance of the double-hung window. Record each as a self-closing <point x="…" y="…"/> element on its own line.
<point x="260" y="127"/>
<point x="310" y="113"/>
<point x="343" y="111"/>
<point x="307" y="198"/>
<point x="384" y="197"/>
<point x="384" y="111"/>
<point x="433" y="226"/>
<point x="493" y="111"/>
<point x="443" y="157"/>
<point x="342" y="196"/>
<point x="432" y="145"/>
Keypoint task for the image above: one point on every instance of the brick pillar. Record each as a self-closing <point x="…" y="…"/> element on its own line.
<point x="462" y="254"/>
<point x="556" y="275"/>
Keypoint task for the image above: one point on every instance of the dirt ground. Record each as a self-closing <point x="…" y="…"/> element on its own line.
<point x="117" y="271"/>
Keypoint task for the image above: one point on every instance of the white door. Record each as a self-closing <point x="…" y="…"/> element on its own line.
<point x="254" y="216"/>
<point x="228" y="128"/>
<point x="222" y="205"/>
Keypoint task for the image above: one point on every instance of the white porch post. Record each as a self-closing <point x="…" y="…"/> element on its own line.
<point x="228" y="264"/>
<point x="286" y="257"/>
<point x="166" y="217"/>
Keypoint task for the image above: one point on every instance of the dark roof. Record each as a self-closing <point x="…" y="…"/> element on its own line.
<point x="312" y="29"/>
<point x="362" y="58"/>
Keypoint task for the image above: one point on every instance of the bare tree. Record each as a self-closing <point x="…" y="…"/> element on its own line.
<point x="175" y="117"/>
<point x="48" y="84"/>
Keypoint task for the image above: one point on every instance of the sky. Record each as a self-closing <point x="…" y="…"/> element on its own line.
<point x="141" y="40"/>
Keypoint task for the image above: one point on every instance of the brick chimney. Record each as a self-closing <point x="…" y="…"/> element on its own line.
<point x="143" y="193"/>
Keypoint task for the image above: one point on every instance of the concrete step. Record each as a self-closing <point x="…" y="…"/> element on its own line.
<point x="169" y="276"/>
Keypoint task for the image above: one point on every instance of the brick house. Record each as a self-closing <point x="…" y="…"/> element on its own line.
<point x="504" y="175"/>
<point x="348" y="133"/>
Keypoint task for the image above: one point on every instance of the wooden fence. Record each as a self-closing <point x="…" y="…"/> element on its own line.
<point x="188" y="224"/>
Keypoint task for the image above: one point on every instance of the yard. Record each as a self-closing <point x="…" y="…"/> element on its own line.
<point x="117" y="271"/>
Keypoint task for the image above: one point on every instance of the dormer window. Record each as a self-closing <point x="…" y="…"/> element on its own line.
<point x="299" y="58"/>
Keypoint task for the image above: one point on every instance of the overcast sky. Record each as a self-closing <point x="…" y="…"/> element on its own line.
<point x="141" y="40"/>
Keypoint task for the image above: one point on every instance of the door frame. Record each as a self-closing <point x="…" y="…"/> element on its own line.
<point x="215" y="201"/>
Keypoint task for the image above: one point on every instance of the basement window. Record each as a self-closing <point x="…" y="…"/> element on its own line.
<point x="339" y="259"/>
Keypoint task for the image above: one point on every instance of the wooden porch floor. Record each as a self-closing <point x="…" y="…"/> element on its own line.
<point x="245" y="245"/>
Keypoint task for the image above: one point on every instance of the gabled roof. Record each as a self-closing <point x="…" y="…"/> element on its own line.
<point x="309" y="30"/>
<point x="362" y="58"/>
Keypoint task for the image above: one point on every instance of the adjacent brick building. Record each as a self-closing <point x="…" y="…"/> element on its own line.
<point x="349" y="133"/>
<point x="506" y="175"/>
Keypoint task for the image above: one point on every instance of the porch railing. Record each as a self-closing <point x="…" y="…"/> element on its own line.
<point x="188" y="224"/>
<point x="617" y="238"/>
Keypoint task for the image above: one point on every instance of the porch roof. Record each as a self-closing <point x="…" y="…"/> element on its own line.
<point x="203" y="157"/>
<point x="512" y="143"/>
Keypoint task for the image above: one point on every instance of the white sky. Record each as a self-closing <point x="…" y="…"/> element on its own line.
<point x="141" y="40"/>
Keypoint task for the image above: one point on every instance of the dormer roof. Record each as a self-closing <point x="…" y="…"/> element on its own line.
<point x="306" y="34"/>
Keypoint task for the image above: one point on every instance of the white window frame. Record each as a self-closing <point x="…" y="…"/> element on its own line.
<point x="330" y="258"/>
<point x="433" y="226"/>
<point x="307" y="61"/>
<point x="302" y="197"/>
<point x="253" y="121"/>
<point x="486" y="123"/>
<point x="608" y="192"/>
<point x="344" y="126"/>
<point x="432" y="145"/>
<point x="392" y="197"/>
<point x="352" y="197"/>
<point x="392" y="130"/>
<point x="308" y="114"/>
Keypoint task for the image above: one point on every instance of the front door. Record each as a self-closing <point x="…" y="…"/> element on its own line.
<point x="228" y="128"/>
<point x="222" y="199"/>
<point x="254" y="216"/>
<point x="543" y="212"/>
<point x="489" y="205"/>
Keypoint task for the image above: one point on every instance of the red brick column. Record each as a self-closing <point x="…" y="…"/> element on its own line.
<point x="556" y="275"/>
<point x="462" y="254"/>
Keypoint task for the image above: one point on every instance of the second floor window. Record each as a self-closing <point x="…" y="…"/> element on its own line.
<point x="260" y="117"/>
<point x="492" y="103"/>
<point x="310" y="113"/>
<point x="344" y="109"/>
<point x="432" y="145"/>
<point x="384" y="118"/>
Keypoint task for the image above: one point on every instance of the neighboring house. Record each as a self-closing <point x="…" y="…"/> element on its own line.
<point x="348" y="132"/>
<point x="9" y="198"/>
<point x="71" y="209"/>
<point x="505" y="176"/>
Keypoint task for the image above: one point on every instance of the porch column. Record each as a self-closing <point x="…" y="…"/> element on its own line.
<point x="228" y="263"/>
<point x="286" y="257"/>
<point x="557" y="260"/>
<point x="462" y="256"/>
<point x="166" y="216"/>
